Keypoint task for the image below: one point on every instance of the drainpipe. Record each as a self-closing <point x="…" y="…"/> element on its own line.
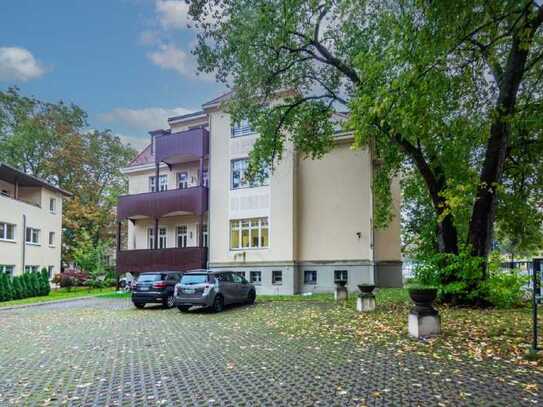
<point x="24" y="243"/>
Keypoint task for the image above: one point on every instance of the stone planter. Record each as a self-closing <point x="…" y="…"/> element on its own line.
<point x="366" y="300"/>
<point x="341" y="294"/>
<point x="424" y="319"/>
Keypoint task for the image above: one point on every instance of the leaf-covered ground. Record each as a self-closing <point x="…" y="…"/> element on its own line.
<point x="478" y="334"/>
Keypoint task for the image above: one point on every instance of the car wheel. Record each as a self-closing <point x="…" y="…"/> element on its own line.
<point x="169" y="302"/>
<point x="251" y="297"/>
<point x="139" y="305"/>
<point x="218" y="304"/>
<point x="183" y="308"/>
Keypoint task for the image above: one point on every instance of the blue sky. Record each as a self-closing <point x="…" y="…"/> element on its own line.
<point x="126" y="62"/>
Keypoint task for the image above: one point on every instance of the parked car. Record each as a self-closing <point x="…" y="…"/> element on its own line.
<point x="213" y="289"/>
<point x="155" y="287"/>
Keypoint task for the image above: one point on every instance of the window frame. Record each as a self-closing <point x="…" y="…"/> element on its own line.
<point x="50" y="270"/>
<point x="183" y="235"/>
<point x="53" y="206"/>
<point x="243" y="183"/>
<point x="256" y="273"/>
<point x="162" y="238"/>
<point x="5" y="267"/>
<point x="341" y="272"/>
<point x="151" y="238"/>
<point x="4" y="231"/>
<point x="52" y="241"/>
<point x="186" y="180"/>
<point x="274" y="277"/>
<point x="246" y="225"/>
<point x="241" y="129"/>
<point x="162" y="186"/>
<point x="313" y="281"/>
<point x="31" y="268"/>
<point x="34" y="232"/>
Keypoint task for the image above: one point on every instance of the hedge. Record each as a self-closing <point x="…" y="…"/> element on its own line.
<point x="32" y="284"/>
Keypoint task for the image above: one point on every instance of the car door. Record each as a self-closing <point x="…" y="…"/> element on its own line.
<point x="228" y="288"/>
<point x="241" y="288"/>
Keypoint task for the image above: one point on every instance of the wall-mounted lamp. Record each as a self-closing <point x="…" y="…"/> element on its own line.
<point x="358" y="234"/>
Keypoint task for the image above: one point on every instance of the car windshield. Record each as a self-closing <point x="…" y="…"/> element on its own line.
<point x="149" y="278"/>
<point x="190" y="279"/>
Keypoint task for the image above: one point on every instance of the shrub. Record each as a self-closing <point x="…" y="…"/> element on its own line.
<point x="17" y="287"/>
<point x="3" y="287"/>
<point x="505" y="289"/>
<point x="70" y="278"/>
<point x="44" y="282"/>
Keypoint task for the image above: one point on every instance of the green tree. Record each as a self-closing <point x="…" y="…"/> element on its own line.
<point x="51" y="141"/>
<point x="18" y="289"/>
<point x="446" y="94"/>
<point x="9" y="288"/>
<point x="3" y="287"/>
<point x="45" y="287"/>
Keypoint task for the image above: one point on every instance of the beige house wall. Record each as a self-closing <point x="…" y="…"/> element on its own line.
<point x="42" y="254"/>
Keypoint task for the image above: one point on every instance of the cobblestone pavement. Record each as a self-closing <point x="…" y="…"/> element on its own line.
<point x="100" y="352"/>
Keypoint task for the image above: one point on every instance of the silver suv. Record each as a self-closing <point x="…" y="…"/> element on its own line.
<point x="213" y="289"/>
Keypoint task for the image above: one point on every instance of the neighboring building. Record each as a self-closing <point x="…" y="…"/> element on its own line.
<point x="30" y="223"/>
<point x="305" y="227"/>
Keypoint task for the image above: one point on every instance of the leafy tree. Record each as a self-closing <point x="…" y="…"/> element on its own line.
<point x="447" y="94"/>
<point x="50" y="140"/>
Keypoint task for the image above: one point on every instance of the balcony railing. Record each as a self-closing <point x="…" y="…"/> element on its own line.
<point x="172" y="259"/>
<point x="192" y="200"/>
<point x="190" y="145"/>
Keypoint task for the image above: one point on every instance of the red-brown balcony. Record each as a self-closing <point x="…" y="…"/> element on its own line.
<point x="170" y="259"/>
<point x="155" y="205"/>
<point x="186" y="146"/>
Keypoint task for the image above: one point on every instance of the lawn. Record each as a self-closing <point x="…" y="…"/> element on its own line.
<point x="478" y="334"/>
<point x="60" y="294"/>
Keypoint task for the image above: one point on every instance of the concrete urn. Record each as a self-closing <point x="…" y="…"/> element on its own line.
<point x="366" y="299"/>
<point x="424" y="319"/>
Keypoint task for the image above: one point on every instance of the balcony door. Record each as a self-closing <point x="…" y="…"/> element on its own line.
<point x="182" y="180"/>
<point x="162" y="238"/>
<point x="182" y="236"/>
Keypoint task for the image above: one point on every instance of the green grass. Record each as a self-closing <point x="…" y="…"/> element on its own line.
<point x="60" y="294"/>
<point x="115" y="294"/>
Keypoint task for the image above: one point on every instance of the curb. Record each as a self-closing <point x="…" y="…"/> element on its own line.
<point x="38" y="304"/>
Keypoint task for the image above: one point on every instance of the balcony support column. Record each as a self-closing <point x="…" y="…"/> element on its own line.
<point x="201" y="171"/>
<point x="201" y="231"/>
<point x="156" y="234"/>
<point x="119" y="236"/>
<point x="157" y="174"/>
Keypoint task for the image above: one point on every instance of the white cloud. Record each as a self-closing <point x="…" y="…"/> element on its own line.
<point x="173" y="13"/>
<point x="138" y="143"/>
<point x="18" y="64"/>
<point x="169" y="57"/>
<point x="145" y="119"/>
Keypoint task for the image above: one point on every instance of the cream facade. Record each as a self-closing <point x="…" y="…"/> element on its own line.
<point x="30" y="223"/>
<point x="301" y="230"/>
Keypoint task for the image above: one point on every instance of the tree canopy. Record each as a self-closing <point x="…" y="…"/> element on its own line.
<point x="50" y="141"/>
<point x="447" y="94"/>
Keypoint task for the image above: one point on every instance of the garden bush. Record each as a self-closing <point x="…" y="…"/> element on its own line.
<point x="23" y="286"/>
<point x="71" y="278"/>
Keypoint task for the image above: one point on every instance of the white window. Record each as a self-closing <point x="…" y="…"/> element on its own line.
<point x="340" y="275"/>
<point x="162" y="238"/>
<point x="7" y="231"/>
<point x="151" y="238"/>
<point x="242" y="128"/>
<point x="52" y="205"/>
<point x="32" y="236"/>
<point x="255" y="277"/>
<point x="50" y="271"/>
<point x="32" y="269"/>
<point x="310" y="277"/>
<point x="249" y="233"/>
<point x="162" y="183"/>
<point x="238" y="177"/>
<point x="182" y="236"/>
<point x="51" y="238"/>
<point x="206" y="234"/>
<point x="277" y="277"/>
<point x="182" y="180"/>
<point x="9" y="269"/>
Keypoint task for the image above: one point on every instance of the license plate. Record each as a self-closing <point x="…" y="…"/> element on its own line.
<point x="188" y="291"/>
<point x="144" y="288"/>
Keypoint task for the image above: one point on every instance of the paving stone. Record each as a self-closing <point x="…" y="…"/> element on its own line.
<point x="104" y="352"/>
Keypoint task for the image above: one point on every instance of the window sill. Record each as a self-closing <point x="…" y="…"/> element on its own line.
<point x="309" y="283"/>
<point x="32" y="244"/>
<point x="52" y="246"/>
<point x="8" y="240"/>
<point x="277" y="283"/>
<point x="250" y="249"/>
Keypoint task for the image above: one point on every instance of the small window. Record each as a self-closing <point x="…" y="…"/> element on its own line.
<point x="310" y="277"/>
<point x="32" y="236"/>
<point x="52" y="205"/>
<point x="51" y="238"/>
<point x="8" y="269"/>
<point x="256" y="277"/>
<point x="242" y="128"/>
<point x="7" y="231"/>
<point x="32" y="269"/>
<point x="50" y="271"/>
<point x="277" y="277"/>
<point x="340" y="275"/>
<point x="238" y="178"/>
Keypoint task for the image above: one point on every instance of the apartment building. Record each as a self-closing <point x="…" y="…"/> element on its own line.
<point x="30" y="223"/>
<point x="306" y="226"/>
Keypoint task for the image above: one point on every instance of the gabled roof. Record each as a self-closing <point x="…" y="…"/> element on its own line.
<point x="145" y="157"/>
<point x="12" y="175"/>
<point x="218" y="100"/>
